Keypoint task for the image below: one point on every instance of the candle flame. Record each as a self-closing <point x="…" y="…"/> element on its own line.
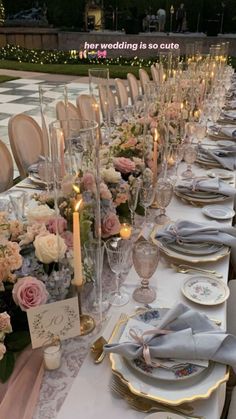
<point x="76" y="188"/>
<point x="156" y="135"/>
<point x="77" y="205"/>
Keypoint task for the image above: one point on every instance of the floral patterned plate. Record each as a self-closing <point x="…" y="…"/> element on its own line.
<point x="170" y="370"/>
<point x="205" y="290"/>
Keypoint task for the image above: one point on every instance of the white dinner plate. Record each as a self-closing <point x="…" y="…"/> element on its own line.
<point x="164" y="415"/>
<point x="222" y="252"/>
<point x="218" y="212"/>
<point x="205" y="290"/>
<point x="169" y="370"/>
<point x="221" y="173"/>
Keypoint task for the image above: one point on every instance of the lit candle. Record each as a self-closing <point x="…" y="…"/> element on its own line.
<point x="52" y="357"/>
<point x="155" y="150"/>
<point x="125" y="231"/>
<point x="171" y="161"/>
<point x="78" y="277"/>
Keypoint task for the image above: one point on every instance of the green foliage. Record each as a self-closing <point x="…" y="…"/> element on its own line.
<point x="6" y="366"/>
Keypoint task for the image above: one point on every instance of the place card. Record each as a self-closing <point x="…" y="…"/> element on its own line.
<point x="55" y="319"/>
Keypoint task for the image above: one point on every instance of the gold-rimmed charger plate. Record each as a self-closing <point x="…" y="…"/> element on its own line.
<point x="221" y="253"/>
<point x="170" y="393"/>
<point x="201" y="201"/>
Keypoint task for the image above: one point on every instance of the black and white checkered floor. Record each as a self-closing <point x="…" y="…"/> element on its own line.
<point x="22" y="95"/>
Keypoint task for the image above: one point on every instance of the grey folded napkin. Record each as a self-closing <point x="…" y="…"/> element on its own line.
<point x="190" y="232"/>
<point x="226" y="156"/>
<point x="228" y="131"/>
<point x="229" y="115"/>
<point x="33" y="168"/>
<point x="214" y="185"/>
<point x="192" y="336"/>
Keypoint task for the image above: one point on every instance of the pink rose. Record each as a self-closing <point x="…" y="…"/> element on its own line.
<point x="29" y="292"/>
<point x="12" y="255"/>
<point x="88" y="182"/>
<point x="68" y="239"/>
<point x="57" y="223"/>
<point x="104" y="192"/>
<point x="110" y="225"/>
<point x="131" y="142"/>
<point x="124" y="165"/>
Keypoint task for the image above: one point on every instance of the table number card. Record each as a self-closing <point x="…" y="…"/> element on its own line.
<point x="59" y="319"/>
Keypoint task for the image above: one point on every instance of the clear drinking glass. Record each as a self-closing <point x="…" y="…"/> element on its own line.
<point x="146" y="194"/>
<point x="145" y="260"/>
<point x="118" y="116"/>
<point x="190" y="155"/>
<point x="133" y="200"/>
<point x="18" y="202"/>
<point x="118" y="253"/>
<point x="164" y="193"/>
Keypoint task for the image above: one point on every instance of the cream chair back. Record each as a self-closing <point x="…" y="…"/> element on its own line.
<point x="122" y="93"/>
<point x="6" y="168"/>
<point x="88" y="108"/>
<point x="107" y="103"/>
<point x="133" y="86"/>
<point x="144" y="78"/>
<point x="155" y="73"/>
<point x="26" y="141"/>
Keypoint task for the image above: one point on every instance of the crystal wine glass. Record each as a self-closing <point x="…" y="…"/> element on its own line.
<point x="147" y="194"/>
<point x="133" y="200"/>
<point x="118" y="116"/>
<point x="190" y="155"/>
<point x="145" y="259"/>
<point x="118" y="253"/>
<point x="164" y="193"/>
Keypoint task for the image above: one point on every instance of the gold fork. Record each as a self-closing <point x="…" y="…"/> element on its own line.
<point x="147" y="405"/>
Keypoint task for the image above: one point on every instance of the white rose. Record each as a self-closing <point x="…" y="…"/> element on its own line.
<point x="40" y="214"/>
<point x="49" y="248"/>
<point x="2" y="350"/>
<point x="110" y="175"/>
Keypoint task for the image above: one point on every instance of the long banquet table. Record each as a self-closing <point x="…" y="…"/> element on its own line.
<point x="81" y="389"/>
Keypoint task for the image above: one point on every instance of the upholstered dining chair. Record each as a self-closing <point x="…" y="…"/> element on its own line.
<point x="88" y="108"/>
<point x="111" y="100"/>
<point x="133" y="86"/>
<point x="6" y="168"/>
<point x="122" y="93"/>
<point x="26" y="141"/>
<point x="144" y="78"/>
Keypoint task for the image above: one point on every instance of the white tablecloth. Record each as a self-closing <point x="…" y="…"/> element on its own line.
<point x="90" y="396"/>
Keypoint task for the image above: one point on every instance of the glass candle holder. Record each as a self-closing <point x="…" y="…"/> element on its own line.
<point x="125" y="231"/>
<point x="52" y="355"/>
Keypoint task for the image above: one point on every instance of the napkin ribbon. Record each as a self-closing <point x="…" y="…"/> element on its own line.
<point x="140" y="340"/>
<point x="174" y="231"/>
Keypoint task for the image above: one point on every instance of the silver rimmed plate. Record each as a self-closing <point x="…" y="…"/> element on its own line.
<point x="218" y="212"/>
<point x="169" y="392"/>
<point x="205" y="290"/>
<point x="221" y="173"/>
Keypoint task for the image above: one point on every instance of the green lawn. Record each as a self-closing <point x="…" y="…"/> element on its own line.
<point x="7" y="78"/>
<point x="70" y="69"/>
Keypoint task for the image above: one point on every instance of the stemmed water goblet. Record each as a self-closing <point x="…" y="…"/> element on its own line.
<point x="18" y="201"/>
<point x="145" y="260"/>
<point x="146" y="194"/>
<point x="190" y="155"/>
<point x="118" y="116"/>
<point x="164" y="193"/>
<point x="119" y="255"/>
